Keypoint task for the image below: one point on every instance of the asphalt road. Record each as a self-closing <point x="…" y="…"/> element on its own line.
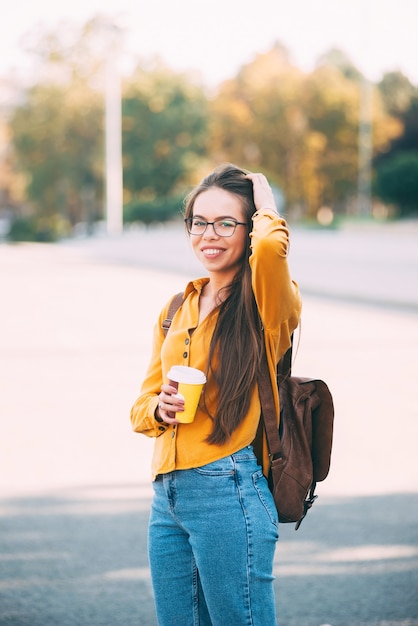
<point x="370" y="264"/>
<point x="75" y="325"/>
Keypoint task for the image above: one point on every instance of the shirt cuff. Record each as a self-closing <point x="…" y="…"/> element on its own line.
<point x="266" y="211"/>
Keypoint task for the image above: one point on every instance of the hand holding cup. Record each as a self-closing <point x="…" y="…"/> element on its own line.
<point x="180" y="398"/>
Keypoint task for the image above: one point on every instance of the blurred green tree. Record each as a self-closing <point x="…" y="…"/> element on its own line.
<point x="336" y="58"/>
<point x="397" y="182"/>
<point x="164" y="134"/>
<point x="397" y="92"/>
<point x="397" y="167"/>
<point x="58" y="137"/>
<point x="400" y="97"/>
<point x="57" y="131"/>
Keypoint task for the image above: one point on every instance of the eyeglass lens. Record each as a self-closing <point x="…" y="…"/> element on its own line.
<point x="223" y="228"/>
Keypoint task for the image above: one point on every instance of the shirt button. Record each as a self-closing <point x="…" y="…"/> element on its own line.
<point x="187" y="341"/>
<point x="161" y="428"/>
<point x="185" y="355"/>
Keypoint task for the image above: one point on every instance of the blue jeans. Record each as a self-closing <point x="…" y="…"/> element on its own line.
<point x="212" y="536"/>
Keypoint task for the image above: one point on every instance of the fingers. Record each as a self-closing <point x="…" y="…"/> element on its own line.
<point x="169" y="403"/>
<point x="259" y="182"/>
<point x="263" y="194"/>
<point x="256" y="176"/>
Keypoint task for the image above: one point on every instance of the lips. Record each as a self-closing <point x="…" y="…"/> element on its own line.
<point x="212" y="252"/>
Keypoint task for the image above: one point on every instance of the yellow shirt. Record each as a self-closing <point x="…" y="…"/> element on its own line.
<point x="183" y="446"/>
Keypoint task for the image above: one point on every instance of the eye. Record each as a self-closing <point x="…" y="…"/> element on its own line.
<point x="226" y="224"/>
<point x="197" y="221"/>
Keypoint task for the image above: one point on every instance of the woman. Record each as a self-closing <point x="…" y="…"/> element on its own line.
<point x="213" y="525"/>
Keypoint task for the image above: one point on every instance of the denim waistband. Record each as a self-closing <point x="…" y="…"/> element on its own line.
<point x="244" y="454"/>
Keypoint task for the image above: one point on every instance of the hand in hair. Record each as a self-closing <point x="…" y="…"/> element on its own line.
<point x="263" y="194"/>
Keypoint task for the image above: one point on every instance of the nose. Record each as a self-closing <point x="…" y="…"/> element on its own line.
<point x="210" y="233"/>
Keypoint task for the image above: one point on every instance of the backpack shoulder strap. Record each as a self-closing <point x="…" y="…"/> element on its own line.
<point x="175" y="304"/>
<point x="268" y="409"/>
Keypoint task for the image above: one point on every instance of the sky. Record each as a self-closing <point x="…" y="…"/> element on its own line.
<point x="216" y="37"/>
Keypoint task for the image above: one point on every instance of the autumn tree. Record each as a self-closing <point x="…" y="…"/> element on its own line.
<point x="302" y="129"/>
<point x="57" y="135"/>
<point x="58" y="129"/>
<point x="164" y="118"/>
<point x="397" y="92"/>
<point x="12" y="185"/>
<point x="257" y="120"/>
<point x="58" y="132"/>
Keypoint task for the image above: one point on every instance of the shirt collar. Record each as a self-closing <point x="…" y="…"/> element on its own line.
<point x="196" y="285"/>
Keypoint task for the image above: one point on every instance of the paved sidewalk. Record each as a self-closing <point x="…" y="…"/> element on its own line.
<point x="372" y="266"/>
<point x="75" y="336"/>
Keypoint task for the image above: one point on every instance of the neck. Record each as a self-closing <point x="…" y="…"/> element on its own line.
<point x="218" y="285"/>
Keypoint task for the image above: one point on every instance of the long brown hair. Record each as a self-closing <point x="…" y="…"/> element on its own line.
<point x="237" y="339"/>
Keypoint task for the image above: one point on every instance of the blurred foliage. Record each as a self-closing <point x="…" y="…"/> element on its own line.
<point x="159" y="210"/>
<point x="301" y="129"/>
<point x="73" y="53"/>
<point x="23" y="229"/>
<point x="164" y="133"/>
<point x="58" y="132"/>
<point x="397" y="182"/>
<point x="35" y="228"/>
<point x="336" y="58"/>
<point x="58" y="138"/>
<point x="397" y="93"/>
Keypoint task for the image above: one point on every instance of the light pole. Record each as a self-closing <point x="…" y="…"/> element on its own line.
<point x="110" y="35"/>
<point x="365" y="135"/>
<point x="365" y="148"/>
<point x="113" y="153"/>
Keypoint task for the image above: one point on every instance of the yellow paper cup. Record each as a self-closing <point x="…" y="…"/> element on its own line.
<point x="189" y="382"/>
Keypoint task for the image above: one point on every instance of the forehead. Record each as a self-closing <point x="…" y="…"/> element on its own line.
<point x="216" y="202"/>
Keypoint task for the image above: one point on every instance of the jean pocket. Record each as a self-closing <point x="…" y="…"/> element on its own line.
<point x="221" y="467"/>
<point x="265" y="495"/>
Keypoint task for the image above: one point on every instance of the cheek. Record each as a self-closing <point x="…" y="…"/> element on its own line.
<point x="194" y="242"/>
<point x="243" y="243"/>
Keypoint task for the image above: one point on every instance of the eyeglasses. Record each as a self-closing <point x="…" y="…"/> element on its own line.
<point x="222" y="228"/>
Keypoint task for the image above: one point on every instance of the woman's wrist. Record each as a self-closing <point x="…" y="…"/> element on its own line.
<point x="157" y="417"/>
<point x="267" y="208"/>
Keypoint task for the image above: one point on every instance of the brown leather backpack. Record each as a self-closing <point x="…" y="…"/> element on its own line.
<point x="300" y="449"/>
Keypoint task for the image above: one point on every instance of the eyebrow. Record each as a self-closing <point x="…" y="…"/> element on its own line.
<point x="221" y="217"/>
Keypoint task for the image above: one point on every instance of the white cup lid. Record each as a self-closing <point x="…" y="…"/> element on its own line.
<point x="184" y="374"/>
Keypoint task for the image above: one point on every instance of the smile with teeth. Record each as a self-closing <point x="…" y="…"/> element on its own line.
<point x="212" y="251"/>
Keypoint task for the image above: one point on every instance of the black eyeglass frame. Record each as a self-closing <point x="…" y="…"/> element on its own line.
<point x="188" y="221"/>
